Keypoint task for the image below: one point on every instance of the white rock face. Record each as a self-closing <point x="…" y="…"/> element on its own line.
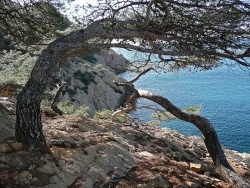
<point x="112" y="60"/>
<point x="90" y="81"/>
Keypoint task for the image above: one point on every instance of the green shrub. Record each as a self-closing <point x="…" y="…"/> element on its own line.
<point x="67" y="108"/>
<point x="106" y="115"/>
<point x="86" y="77"/>
<point x="193" y="109"/>
<point x="71" y="91"/>
<point x="90" y="58"/>
<point x="103" y="114"/>
<point x="16" y="67"/>
<point x="100" y="70"/>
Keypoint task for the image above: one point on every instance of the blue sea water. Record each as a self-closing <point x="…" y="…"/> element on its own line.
<point x="223" y="93"/>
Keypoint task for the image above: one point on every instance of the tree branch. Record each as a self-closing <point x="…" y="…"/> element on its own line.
<point x="55" y="100"/>
<point x="150" y="4"/>
<point x="139" y="75"/>
<point x="210" y="137"/>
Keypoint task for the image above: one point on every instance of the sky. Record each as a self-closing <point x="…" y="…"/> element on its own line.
<point x="71" y="10"/>
<point x="82" y="2"/>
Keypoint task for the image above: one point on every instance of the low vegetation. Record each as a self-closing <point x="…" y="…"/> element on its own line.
<point x="67" y="108"/>
<point x="106" y="115"/>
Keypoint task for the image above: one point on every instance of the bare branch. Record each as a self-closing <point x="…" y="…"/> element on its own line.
<point x="139" y="75"/>
<point x="148" y="12"/>
<point x="55" y="100"/>
<point x="130" y="106"/>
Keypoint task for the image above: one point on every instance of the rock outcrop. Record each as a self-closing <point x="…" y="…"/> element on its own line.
<point x="92" y="154"/>
<point x="89" y="78"/>
<point x="90" y="81"/>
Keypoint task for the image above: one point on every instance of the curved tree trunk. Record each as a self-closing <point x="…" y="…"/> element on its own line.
<point x="28" y="114"/>
<point x="28" y="128"/>
<point x="210" y="136"/>
<point x="90" y="40"/>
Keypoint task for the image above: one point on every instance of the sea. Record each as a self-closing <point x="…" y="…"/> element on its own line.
<point x="223" y="94"/>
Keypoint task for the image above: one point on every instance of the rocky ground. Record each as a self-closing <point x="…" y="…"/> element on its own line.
<point x="89" y="153"/>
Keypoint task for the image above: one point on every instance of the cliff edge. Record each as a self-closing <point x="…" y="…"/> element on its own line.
<point x="92" y="153"/>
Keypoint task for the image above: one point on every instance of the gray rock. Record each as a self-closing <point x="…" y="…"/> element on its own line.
<point x="7" y="118"/>
<point x="96" y="164"/>
<point x="90" y="81"/>
<point x="158" y="181"/>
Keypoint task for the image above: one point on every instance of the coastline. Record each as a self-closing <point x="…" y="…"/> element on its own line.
<point x="221" y="93"/>
<point x="90" y="153"/>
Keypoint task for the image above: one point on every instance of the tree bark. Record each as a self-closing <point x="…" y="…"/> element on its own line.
<point x="28" y="127"/>
<point x="28" y="114"/>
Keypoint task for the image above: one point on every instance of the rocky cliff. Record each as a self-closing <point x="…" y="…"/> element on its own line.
<point x="88" y="153"/>
<point x="89" y="79"/>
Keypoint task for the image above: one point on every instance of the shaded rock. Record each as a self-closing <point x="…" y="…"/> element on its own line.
<point x="25" y="178"/>
<point x="3" y="166"/>
<point x="63" y="179"/>
<point x="49" y="168"/>
<point x="11" y="147"/>
<point x="111" y="154"/>
<point x="5" y="148"/>
<point x="159" y="181"/>
<point x="17" y="146"/>
<point x="181" y="185"/>
<point x="7" y="118"/>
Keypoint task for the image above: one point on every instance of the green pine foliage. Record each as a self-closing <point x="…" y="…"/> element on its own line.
<point x="159" y="117"/>
<point x="85" y="77"/>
